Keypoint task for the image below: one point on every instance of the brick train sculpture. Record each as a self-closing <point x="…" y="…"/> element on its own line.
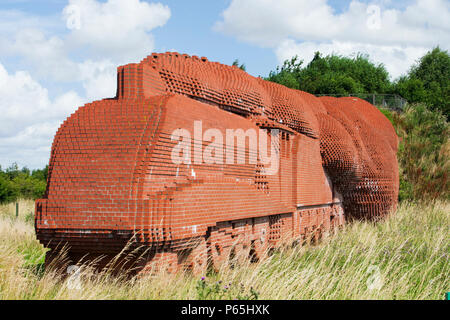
<point x="112" y="179"/>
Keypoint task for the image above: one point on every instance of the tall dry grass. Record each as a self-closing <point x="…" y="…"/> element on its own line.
<point x="404" y="257"/>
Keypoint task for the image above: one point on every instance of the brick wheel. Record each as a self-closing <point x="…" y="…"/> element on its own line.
<point x="161" y="262"/>
<point x="198" y="258"/>
<point x="259" y="247"/>
<point x="219" y="249"/>
<point x="242" y="250"/>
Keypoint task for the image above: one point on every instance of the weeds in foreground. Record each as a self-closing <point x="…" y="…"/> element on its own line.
<point x="405" y="256"/>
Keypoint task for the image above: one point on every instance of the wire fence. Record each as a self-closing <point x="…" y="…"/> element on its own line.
<point x="388" y="101"/>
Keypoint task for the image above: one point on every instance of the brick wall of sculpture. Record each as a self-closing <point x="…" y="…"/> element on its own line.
<point x="112" y="178"/>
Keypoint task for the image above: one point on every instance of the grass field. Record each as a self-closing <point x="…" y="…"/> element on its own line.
<point x="404" y="257"/>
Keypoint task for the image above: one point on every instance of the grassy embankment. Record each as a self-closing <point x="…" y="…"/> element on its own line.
<point x="404" y="257"/>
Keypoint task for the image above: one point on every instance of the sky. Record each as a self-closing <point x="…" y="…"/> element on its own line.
<point x="57" y="55"/>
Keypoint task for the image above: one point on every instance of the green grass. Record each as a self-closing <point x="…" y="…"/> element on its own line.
<point x="404" y="257"/>
<point x="424" y="152"/>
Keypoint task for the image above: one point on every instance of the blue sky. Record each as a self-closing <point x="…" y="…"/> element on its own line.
<point x="56" y="55"/>
<point x="189" y="29"/>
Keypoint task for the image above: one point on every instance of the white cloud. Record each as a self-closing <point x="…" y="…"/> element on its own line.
<point x="391" y="36"/>
<point x="116" y="28"/>
<point x="46" y="55"/>
<point x="29" y="118"/>
<point x="115" y="31"/>
<point x="267" y="22"/>
<point x="397" y="59"/>
<point x="10" y="20"/>
<point x="99" y="78"/>
<point x="109" y="33"/>
<point x="49" y="59"/>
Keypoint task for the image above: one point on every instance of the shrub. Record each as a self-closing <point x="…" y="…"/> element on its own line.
<point x="424" y="152"/>
<point x="23" y="183"/>
<point x="333" y="74"/>
<point x="428" y="81"/>
<point x="7" y="191"/>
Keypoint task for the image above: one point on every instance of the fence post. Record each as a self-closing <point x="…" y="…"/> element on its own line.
<point x="17" y="209"/>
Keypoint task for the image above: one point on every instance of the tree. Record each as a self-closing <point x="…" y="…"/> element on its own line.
<point x="333" y="74"/>
<point x="7" y="192"/>
<point x="12" y="171"/>
<point x="433" y="73"/>
<point x="423" y="152"/>
<point x="412" y="89"/>
<point x="236" y="64"/>
<point x="40" y="174"/>
<point x="15" y="183"/>
<point x="288" y="74"/>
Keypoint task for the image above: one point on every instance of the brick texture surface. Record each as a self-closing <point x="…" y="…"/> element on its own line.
<point x="112" y="182"/>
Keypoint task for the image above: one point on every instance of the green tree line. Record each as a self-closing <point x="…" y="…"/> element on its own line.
<point x="22" y="183"/>
<point x="424" y="152"/>
<point x="424" y="149"/>
<point x="427" y="82"/>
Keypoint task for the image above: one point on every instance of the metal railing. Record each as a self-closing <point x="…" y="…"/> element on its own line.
<point x="388" y="101"/>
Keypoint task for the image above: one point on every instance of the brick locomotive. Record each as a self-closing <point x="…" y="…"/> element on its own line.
<point x="112" y="181"/>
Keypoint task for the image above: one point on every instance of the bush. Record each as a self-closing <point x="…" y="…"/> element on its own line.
<point x="333" y="74"/>
<point x="22" y="183"/>
<point x="428" y="82"/>
<point x="424" y="152"/>
<point x="7" y="191"/>
<point x="404" y="256"/>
